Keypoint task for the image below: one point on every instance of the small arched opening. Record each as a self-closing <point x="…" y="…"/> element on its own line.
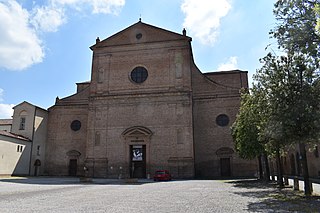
<point x="37" y="164"/>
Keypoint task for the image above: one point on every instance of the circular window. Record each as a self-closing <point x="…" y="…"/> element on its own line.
<point x="139" y="74"/>
<point x="138" y="35"/>
<point x="222" y="120"/>
<point x="75" y="125"/>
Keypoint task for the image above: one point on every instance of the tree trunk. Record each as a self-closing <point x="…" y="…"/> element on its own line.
<point x="305" y="171"/>
<point x="279" y="168"/>
<point x="266" y="163"/>
<point x="260" y="167"/>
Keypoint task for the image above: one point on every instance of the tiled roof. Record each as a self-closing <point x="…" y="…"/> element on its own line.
<point x="5" y="121"/>
<point x="12" y="135"/>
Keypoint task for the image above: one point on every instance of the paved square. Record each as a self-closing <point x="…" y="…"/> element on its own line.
<point x="69" y="195"/>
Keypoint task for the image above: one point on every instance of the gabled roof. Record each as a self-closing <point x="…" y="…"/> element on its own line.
<point x="140" y="33"/>
<point x="25" y="102"/>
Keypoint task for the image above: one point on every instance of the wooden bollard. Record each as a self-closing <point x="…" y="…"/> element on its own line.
<point x="295" y="183"/>
<point x="286" y="180"/>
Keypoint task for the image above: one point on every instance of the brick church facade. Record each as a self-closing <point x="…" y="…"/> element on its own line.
<point x="147" y="107"/>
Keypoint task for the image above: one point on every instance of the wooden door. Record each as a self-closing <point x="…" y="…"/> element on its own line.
<point x="73" y="165"/>
<point x="225" y="167"/>
<point x="138" y="161"/>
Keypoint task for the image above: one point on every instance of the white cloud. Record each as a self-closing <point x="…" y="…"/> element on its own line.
<point x="6" y="111"/>
<point x="231" y="64"/>
<point x="107" y="6"/>
<point x="97" y="6"/>
<point x="50" y="17"/>
<point x="47" y="19"/>
<point x="20" y="46"/>
<point x="202" y="18"/>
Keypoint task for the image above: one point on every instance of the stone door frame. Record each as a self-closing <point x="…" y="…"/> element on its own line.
<point x="137" y="135"/>
<point x="224" y="153"/>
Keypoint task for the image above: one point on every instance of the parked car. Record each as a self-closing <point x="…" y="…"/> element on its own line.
<point x="162" y="175"/>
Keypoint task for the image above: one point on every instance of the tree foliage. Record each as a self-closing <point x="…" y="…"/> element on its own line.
<point x="317" y="12"/>
<point x="292" y="92"/>
<point x="297" y="27"/>
<point x="297" y="33"/>
<point x="283" y="106"/>
<point x="245" y="130"/>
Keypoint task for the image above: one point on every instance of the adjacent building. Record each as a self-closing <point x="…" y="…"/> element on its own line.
<point x="22" y="141"/>
<point x="5" y="125"/>
<point x="292" y="165"/>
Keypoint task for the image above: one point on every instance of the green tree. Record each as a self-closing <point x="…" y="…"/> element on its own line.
<point x="317" y="12"/>
<point x="297" y="33"/>
<point x="296" y="29"/>
<point x="245" y="130"/>
<point x="291" y="89"/>
<point x="271" y="80"/>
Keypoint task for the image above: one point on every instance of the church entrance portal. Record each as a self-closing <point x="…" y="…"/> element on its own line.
<point x="225" y="155"/>
<point x="138" y="161"/>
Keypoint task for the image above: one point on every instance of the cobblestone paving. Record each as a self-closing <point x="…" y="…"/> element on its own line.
<point x="69" y="195"/>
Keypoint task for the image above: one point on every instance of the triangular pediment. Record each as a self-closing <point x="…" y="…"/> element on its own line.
<point x="23" y="104"/>
<point x="225" y="151"/>
<point x="137" y="131"/>
<point x="73" y="153"/>
<point x="139" y="33"/>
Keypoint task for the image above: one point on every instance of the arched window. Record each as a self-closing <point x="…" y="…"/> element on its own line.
<point x="23" y="114"/>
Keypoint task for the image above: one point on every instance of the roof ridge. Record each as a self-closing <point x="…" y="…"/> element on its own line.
<point x="13" y="135"/>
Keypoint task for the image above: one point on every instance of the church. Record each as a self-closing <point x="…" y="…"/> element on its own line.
<point x="147" y="107"/>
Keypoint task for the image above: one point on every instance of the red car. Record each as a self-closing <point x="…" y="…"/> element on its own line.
<point x="162" y="175"/>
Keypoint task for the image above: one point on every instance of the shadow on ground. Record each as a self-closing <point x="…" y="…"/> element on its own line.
<point x="274" y="199"/>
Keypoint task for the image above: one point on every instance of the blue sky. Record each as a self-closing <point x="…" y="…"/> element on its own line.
<point x="44" y="44"/>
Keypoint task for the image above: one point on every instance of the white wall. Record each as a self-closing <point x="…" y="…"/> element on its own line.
<point x="12" y="160"/>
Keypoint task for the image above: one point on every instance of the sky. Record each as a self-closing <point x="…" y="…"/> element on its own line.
<point x="44" y="44"/>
